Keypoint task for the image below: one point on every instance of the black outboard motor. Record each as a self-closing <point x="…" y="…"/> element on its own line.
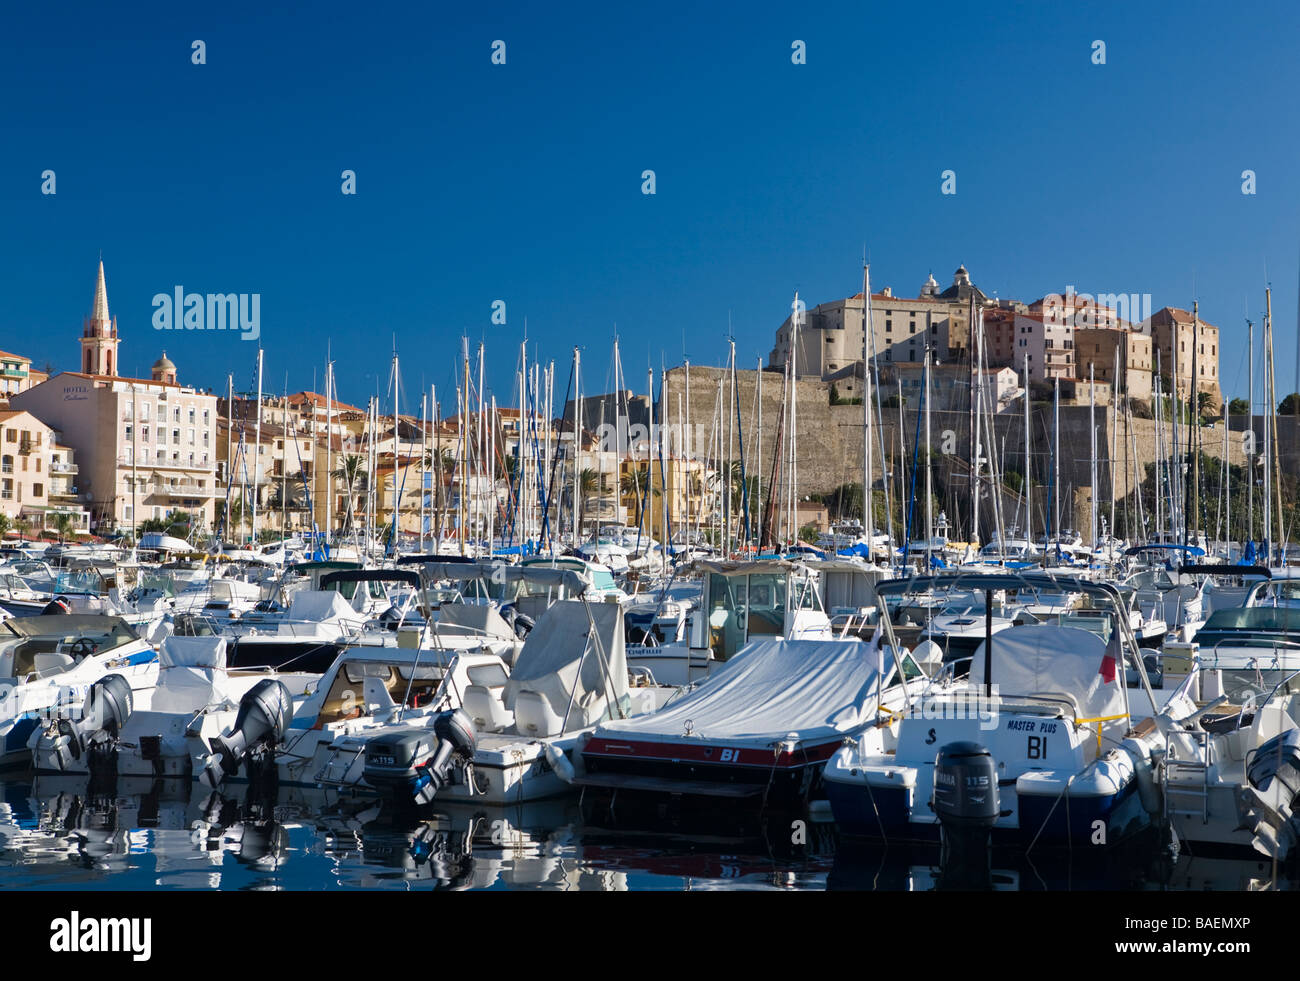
<point x="265" y="713"/>
<point x="56" y="607"/>
<point x="108" y="705"/>
<point x="1278" y="759"/>
<point x="415" y="763"/>
<point x="966" y="803"/>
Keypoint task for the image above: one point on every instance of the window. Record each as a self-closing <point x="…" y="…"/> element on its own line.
<point x="129" y="434"/>
<point x="176" y="437"/>
<point x="144" y="412"/>
<point x="38" y="490"/>
<point x="191" y="415"/>
<point x="11" y="435"/>
<point x="191" y="435"/>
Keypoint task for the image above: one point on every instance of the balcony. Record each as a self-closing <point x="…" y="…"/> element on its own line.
<point x="147" y="463"/>
<point x="180" y="489"/>
<point x="63" y="468"/>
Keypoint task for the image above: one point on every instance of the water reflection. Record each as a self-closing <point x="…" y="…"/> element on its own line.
<point x="58" y="832"/>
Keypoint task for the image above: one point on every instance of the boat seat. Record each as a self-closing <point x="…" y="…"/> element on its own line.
<point x="379" y="700"/>
<point x="534" y="715"/>
<point x="49" y="664"/>
<point x="486" y="709"/>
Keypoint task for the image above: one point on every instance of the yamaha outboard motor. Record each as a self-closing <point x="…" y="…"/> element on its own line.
<point x="263" y="721"/>
<point x="966" y="803"/>
<point x="108" y="705"/>
<point x="415" y="763"/>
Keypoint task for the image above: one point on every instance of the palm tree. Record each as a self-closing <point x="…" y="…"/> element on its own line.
<point x="633" y="484"/>
<point x="588" y="483"/>
<point x="5" y="524"/>
<point x="63" y="525"/>
<point x="352" y="472"/>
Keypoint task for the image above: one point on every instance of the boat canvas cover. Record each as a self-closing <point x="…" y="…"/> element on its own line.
<point x="191" y="674"/>
<point x="477" y="619"/>
<point x="320" y="606"/>
<point x="552" y="662"/>
<point x="814" y="689"/>
<point x="1057" y="662"/>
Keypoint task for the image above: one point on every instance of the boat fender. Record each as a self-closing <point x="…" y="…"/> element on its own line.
<point x="1148" y="793"/>
<point x="560" y="763"/>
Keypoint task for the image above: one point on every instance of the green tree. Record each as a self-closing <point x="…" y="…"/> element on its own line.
<point x="352" y="471"/>
<point x="1289" y="406"/>
<point x="63" y="525"/>
<point x="1238" y="407"/>
<point x="5" y="524"/>
<point x="633" y="484"/>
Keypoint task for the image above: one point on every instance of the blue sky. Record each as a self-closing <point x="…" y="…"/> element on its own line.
<point x="522" y="182"/>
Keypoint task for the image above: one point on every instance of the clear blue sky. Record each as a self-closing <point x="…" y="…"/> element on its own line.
<point x="522" y="182"/>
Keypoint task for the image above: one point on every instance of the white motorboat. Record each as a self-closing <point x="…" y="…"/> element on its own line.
<point x="49" y="663"/>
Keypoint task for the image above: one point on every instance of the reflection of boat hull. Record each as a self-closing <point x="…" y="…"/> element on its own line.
<point x="886" y="813"/>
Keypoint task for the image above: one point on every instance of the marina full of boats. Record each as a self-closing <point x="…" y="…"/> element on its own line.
<point x="981" y="708"/>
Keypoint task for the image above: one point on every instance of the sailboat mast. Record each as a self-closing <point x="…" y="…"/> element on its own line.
<point x="577" y="447"/>
<point x="1250" y="425"/>
<point x="1029" y="469"/>
<point x="1194" y="444"/>
<point x="929" y="489"/>
<point x="1272" y="410"/>
<point x="976" y="422"/>
<point x="866" y="407"/>
<point x="1092" y="463"/>
<point x="257" y="453"/>
<point x="1056" y="457"/>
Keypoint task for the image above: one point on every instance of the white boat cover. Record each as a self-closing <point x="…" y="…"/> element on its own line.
<point x="498" y="572"/>
<point x="166" y="543"/>
<point x="552" y="662"/>
<point x="191" y="674"/>
<point x="1055" y="661"/>
<point x="320" y="606"/>
<point x="476" y="619"/>
<point x="813" y="689"/>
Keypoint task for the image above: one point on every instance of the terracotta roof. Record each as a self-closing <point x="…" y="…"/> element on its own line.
<point x="320" y="402"/>
<point x="15" y="357"/>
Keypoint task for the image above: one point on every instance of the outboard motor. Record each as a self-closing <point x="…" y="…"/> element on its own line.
<point x="415" y="763"/>
<point x="108" y="705"/>
<point x="265" y="713"/>
<point x="966" y="803"/>
<point x="1278" y="759"/>
<point x="55" y="607"/>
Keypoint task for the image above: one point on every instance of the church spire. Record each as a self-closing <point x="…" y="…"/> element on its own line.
<point x="99" y="312"/>
<point x="99" y="334"/>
